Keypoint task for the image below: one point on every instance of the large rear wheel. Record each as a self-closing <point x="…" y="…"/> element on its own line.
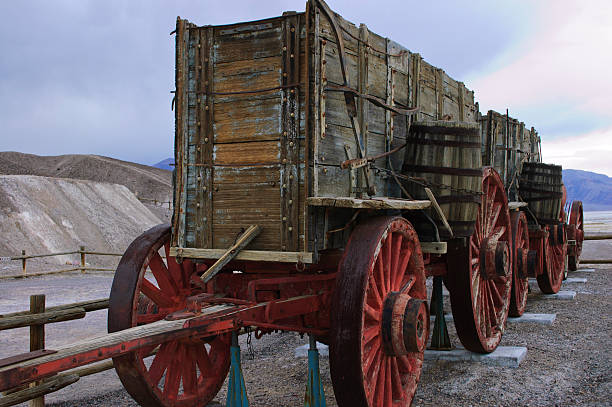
<point x="380" y="318"/>
<point x="520" y="250"/>
<point x="185" y="372"/>
<point x="575" y="232"/>
<point x="479" y="272"/>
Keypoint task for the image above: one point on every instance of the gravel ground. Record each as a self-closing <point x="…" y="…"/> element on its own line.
<point x="567" y="364"/>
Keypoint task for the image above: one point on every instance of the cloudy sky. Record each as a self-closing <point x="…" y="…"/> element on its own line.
<point x="94" y="76"/>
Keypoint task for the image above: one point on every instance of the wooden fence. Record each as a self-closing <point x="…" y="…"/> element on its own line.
<point x="36" y="318"/>
<point x="596" y="261"/>
<point x="82" y="252"/>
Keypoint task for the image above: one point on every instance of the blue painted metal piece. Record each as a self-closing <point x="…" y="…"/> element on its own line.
<point x="315" y="394"/>
<point x="236" y="390"/>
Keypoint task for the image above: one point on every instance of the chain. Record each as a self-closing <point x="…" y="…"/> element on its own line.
<point x="426" y="184"/>
<point x="250" y="343"/>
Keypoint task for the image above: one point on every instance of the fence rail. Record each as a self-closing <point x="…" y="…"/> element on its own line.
<point x="82" y="266"/>
<point x="36" y="318"/>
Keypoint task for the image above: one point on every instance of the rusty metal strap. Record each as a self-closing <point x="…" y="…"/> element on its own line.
<point x="240" y="165"/>
<point x="371" y="47"/>
<point x="444" y="143"/>
<point x="357" y="161"/>
<point x="466" y="172"/>
<point x="430" y="128"/>
<point x="245" y="92"/>
<point x="373" y="99"/>
<point x="469" y="198"/>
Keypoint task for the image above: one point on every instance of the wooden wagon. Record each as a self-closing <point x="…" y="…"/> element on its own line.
<point x="547" y="233"/>
<point x="323" y="172"/>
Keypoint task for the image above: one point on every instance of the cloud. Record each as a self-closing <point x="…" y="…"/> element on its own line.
<point x="589" y="152"/>
<point x="566" y="62"/>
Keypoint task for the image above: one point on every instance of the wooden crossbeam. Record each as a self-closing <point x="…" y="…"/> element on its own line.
<point x="246" y="238"/>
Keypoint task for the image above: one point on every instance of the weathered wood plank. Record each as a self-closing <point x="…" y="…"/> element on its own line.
<point x="375" y="203"/>
<point x="252" y="255"/>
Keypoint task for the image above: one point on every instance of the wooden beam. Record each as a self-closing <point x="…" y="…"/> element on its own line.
<point x="88" y="306"/>
<point x="434" y="247"/>
<point x="246" y="238"/>
<point x="48" y="386"/>
<point x="41" y="319"/>
<point x="251" y="255"/>
<point x="516" y="205"/>
<point x="432" y="198"/>
<point x="100" y="348"/>
<point x="597" y="237"/>
<point x="374" y="203"/>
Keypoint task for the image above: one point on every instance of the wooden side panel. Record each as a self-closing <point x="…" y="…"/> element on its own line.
<point x="241" y="137"/>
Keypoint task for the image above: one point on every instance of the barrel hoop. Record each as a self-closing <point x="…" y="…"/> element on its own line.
<point x="527" y="171"/>
<point x="553" y="194"/>
<point x="444" y="143"/>
<point x="459" y="198"/>
<point x="441" y="129"/>
<point x="541" y="198"/>
<point x="467" y="172"/>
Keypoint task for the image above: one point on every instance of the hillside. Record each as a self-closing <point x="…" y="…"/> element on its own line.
<point x="148" y="183"/>
<point x="594" y="190"/>
<point x="43" y="215"/>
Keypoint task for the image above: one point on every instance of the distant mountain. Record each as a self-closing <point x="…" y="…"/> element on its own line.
<point x="167" y="164"/>
<point x="594" y="190"/>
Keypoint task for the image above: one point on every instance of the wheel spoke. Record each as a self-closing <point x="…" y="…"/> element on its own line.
<point x="160" y="362"/>
<point x="160" y="272"/>
<point x="155" y="294"/>
<point x="405" y="259"/>
<point x="373" y="378"/>
<point x="372" y="313"/>
<point x="380" y="277"/>
<point x="497" y="298"/>
<point x="494" y="216"/>
<point x="371" y="355"/>
<point x="396" y="271"/>
<point x="380" y="383"/>
<point x="190" y="378"/>
<point x="370" y="333"/>
<point x="173" y="379"/>
<point x="203" y="361"/>
<point x="373" y="292"/>
<point x="396" y="380"/>
<point x="388" y="383"/>
<point x="387" y="261"/>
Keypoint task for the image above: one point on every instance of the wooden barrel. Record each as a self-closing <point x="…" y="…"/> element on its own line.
<point x="446" y="157"/>
<point x="541" y="186"/>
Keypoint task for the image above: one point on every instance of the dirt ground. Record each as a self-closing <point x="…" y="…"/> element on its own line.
<point x="567" y="364"/>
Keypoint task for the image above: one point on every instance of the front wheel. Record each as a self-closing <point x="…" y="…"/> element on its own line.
<point x="177" y="373"/>
<point x="380" y="322"/>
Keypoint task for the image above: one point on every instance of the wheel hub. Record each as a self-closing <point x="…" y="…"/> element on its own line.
<point x="494" y="259"/>
<point x="405" y="324"/>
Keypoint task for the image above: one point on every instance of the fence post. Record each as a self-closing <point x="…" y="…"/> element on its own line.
<point x="37" y="339"/>
<point x="23" y="261"/>
<point x="82" y="251"/>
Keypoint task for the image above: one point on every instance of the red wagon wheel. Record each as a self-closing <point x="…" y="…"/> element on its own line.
<point x="480" y="275"/>
<point x="575" y="232"/>
<point x="185" y="372"/>
<point x="380" y="322"/>
<point x="520" y="249"/>
<point x="555" y="249"/>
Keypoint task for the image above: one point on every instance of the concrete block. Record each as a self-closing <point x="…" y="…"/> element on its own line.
<point x="571" y="280"/>
<point x="542" y="319"/>
<point x="302" y="351"/>
<point x="561" y="295"/>
<point x="506" y="356"/>
<point x="585" y="270"/>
